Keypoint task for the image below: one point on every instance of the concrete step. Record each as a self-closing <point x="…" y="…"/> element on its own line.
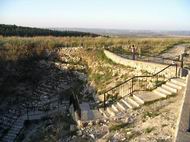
<point x="164" y="90"/>
<point x="172" y="84"/>
<point x="18" y="126"/>
<point x="104" y="112"/>
<point x="147" y="96"/>
<point x="37" y="92"/>
<point x="111" y="111"/>
<point x="114" y="107"/>
<point x="138" y="100"/>
<point x="46" y="86"/>
<point x="169" y="88"/>
<point x="132" y="101"/>
<point x="11" y="135"/>
<point x="8" y="139"/>
<point x="179" y="81"/>
<point x="46" y="90"/>
<point x="161" y="92"/>
<point x="127" y="103"/>
<point x="121" y="106"/>
<point x="15" y="132"/>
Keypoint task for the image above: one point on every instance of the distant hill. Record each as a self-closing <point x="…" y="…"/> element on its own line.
<point x="125" y="32"/>
<point x="13" y="30"/>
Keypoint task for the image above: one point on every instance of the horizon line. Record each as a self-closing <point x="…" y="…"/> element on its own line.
<point x="97" y="28"/>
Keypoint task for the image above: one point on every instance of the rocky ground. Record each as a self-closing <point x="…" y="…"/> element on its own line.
<point x="152" y="122"/>
<point x="178" y="50"/>
<point x="50" y="129"/>
<point x="155" y="122"/>
<point x="101" y="73"/>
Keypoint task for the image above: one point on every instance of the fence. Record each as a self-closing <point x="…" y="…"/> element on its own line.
<point x="154" y="59"/>
<point x="136" y="83"/>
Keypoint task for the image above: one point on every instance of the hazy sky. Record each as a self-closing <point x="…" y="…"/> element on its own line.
<point x="117" y="14"/>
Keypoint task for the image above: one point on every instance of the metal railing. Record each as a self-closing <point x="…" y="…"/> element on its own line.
<point x="154" y="59"/>
<point x="137" y="83"/>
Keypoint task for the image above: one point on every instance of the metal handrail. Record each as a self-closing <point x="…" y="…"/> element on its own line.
<point x="132" y="79"/>
<point x="164" y="58"/>
<point x="174" y="59"/>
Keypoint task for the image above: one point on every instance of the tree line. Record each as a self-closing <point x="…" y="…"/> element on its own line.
<point x="13" y="30"/>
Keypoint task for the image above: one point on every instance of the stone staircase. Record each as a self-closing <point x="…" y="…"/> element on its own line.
<point x="170" y="88"/>
<point x="14" y="130"/>
<point x="46" y="96"/>
<point x="18" y="125"/>
<point x="8" y="118"/>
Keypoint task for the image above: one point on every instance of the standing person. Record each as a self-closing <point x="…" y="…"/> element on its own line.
<point x="133" y="50"/>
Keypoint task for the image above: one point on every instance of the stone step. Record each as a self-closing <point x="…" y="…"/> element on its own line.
<point x="18" y="125"/>
<point x="110" y="111"/>
<point x="169" y="88"/>
<point x="8" y="139"/>
<point x="104" y="113"/>
<point x="45" y="90"/>
<point x="122" y="106"/>
<point x="161" y="92"/>
<point x="172" y="84"/>
<point x="132" y="101"/>
<point x="46" y="86"/>
<point x="15" y="132"/>
<point x="11" y="135"/>
<point x="127" y="103"/>
<point x="42" y="92"/>
<point x="179" y="81"/>
<point x="164" y="90"/>
<point x="15" y="127"/>
<point x="38" y="93"/>
<point x="114" y="107"/>
<point x="138" y="100"/>
<point x="147" y="96"/>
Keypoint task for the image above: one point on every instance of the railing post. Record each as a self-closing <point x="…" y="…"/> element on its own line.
<point x="132" y="86"/>
<point x="176" y="70"/>
<point x="104" y="102"/>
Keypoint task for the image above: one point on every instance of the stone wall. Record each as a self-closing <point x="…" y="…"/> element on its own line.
<point x="140" y="65"/>
<point x="183" y="124"/>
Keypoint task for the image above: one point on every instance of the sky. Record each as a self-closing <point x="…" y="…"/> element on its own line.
<point x="106" y="14"/>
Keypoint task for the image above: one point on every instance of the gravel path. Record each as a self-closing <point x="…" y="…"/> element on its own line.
<point x="175" y="51"/>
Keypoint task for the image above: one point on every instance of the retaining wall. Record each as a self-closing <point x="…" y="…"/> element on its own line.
<point x="140" y="65"/>
<point x="183" y="125"/>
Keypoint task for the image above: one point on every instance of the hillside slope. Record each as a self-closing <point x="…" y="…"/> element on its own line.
<point x="13" y="30"/>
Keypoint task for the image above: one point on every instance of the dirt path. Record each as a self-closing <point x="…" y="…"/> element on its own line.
<point x="176" y="51"/>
